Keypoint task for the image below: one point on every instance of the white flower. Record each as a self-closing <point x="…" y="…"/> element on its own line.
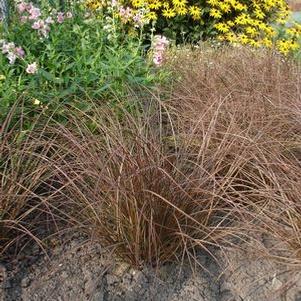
<point x="32" y="68"/>
<point x="8" y="47"/>
<point x="11" y="57"/>
<point x="49" y="20"/>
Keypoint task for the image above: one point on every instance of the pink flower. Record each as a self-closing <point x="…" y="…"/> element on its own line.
<point x="137" y="18"/>
<point x="35" y="13"/>
<point x="29" y="6"/>
<point x="158" y="59"/>
<point x="69" y="15"/>
<point x="42" y="27"/>
<point x="23" y="19"/>
<point x="60" y="17"/>
<point x="38" y="24"/>
<point x="32" y="68"/>
<point x="125" y="12"/>
<point x="22" y="7"/>
<point x="159" y="46"/>
<point x="20" y="52"/>
<point x="160" y="41"/>
<point x="114" y="3"/>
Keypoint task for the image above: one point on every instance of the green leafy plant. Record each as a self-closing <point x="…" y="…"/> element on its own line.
<point x="51" y="57"/>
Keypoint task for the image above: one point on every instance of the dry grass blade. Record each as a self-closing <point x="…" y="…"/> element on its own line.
<point x="26" y="172"/>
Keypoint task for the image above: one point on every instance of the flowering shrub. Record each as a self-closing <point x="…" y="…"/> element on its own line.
<point x="48" y="56"/>
<point x="244" y="22"/>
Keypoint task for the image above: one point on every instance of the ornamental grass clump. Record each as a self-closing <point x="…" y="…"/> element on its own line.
<point x="207" y="165"/>
<point x="132" y="191"/>
<point x="243" y="108"/>
<point x="211" y="160"/>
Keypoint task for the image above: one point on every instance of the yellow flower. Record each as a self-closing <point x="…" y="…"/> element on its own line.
<point x="254" y="43"/>
<point x="225" y="7"/>
<point x="294" y="45"/>
<point x="215" y="13"/>
<point x="222" y="27"/>
<point x="165" y="4"/>
<point x="244" y="39"/>
<point x="181" y="10"/>
<point x="241" y="19"/>
<point x="270" y="31"/>
<point x="231" y="37"/>
<point x="286" y="46"/>
<point x="292" y="31"/>
<point x="151" y="16"/>
<point x="259" y="14"/>
<point x="260" y="24"/>
<point x="138" y="3"/>
<point x="94" y="4"/>
<point x="2" y="77"/>
<point x="156" y="4"/>
<point x="179" y="3"/>
<point x="297" y="26"/>
<point x="251" y="31"/>
<point x="267" y="42"/>
<point x="168" y="13"/>
<point x="213" y="2"/>
<point x="240" y="7"/>
<point x="195" y="12"/>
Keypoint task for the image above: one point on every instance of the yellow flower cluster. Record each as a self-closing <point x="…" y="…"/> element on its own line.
<point x="253" y="25"/>
<point x="170" y="8"/>
<point x="293" y="35"/>
<point x="94" y="4"/>
<point x="236" y="21"/>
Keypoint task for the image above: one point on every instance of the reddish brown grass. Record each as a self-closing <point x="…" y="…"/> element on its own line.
<point x="211" y="159"/>
<point x="135" y="194"/>
<point x="243" y="108"/>
<point x="192" y="170"/>
<point x="26" y="169"/>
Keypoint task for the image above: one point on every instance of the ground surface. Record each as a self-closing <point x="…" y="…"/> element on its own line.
<point x="84" y="271"/>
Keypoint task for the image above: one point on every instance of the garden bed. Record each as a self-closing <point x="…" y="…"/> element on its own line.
<point x="150" y="153"/>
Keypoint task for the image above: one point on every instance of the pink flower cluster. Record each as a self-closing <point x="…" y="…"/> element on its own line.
<point x="11" y="51"/>
<point x="33" y="13"/>
<point x="127" y="15"/>
<point x="43" y="27"/>
<point x="60" y="18"/>
<point x="139" y="19"/>
<point x="29" y="12"/>
<point x="159" y="46"/>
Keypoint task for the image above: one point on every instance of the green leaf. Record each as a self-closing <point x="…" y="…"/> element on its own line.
<point x="50" y="77"/>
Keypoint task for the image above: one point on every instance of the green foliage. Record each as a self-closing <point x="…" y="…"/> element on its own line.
<point x="77" y="57"/>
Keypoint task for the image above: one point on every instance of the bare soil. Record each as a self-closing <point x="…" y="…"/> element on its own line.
<point x="82" y="270"/>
